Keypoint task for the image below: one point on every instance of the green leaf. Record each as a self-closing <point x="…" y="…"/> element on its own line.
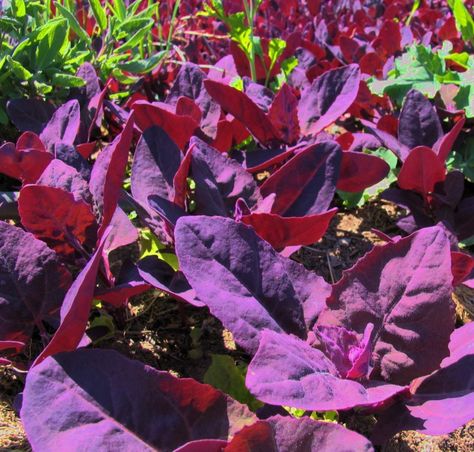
<point x="120" y="9"/>
<point x="226" y="376"/>
<point x="135" y="39"/>
<point x="99" y="14"/>
<point x="276" y="47"/>
<point x="18" y="69"/>
<point x="67" y="80"/>
<point x="18" y="8"/>
<point x="151" y="246"/>
<point x="51" y="40"/>
<point x="73" y="23"/>
<point x="464" y="21"/>
<point x="142" y="66"/>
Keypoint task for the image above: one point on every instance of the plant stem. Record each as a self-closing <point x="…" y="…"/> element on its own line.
<point x="250" y="13"/>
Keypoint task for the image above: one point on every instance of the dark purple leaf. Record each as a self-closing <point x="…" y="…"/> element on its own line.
<point x="306" y="184"/>
<point x="33" y="283"/>
<point x="30" y="114"/>
<point x="419" y="124"/>
<point x="100" y="400"/>
<point x="245" y="283"/>
<point x="68" y="154"/>
<point x="155" y="163"/>
<point x="108" y="172"/>
<point x="328" y="97"/>
<point x="258" y="94"/>
<point x="288" y="371"/>
<point x="283" y="114"/>
<point x="393" y="287"/>
<point x="464" y="218"/>
<point x="220" y="181"/>
<point x="388" y="140"/>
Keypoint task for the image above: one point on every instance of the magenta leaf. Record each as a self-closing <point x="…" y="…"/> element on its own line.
<point x="76" y="308"/>
<point x="306" y="184"/>
<point x="63" y="125"/>
<point x="288" y="371"/>
<point x="445" y="144"/>
<point x="283" y="114"/>
<point x="69" y="155"/>
<point x="54" y="216"/>
<point x="281" y="232"/>
<point x="419" y="124"/>
<point x="328" y="97"/>
<point x="360" y="171"/>
<point x="33" y="283"/>
<point x="245" y="283"/>
<point x="280" y="433"/>
<point x="220" y="181"/>
<point x="100" y="400"/>
<point x="239" y="105"/>
<point x="393" y="288"/>
<point x="108" y="172"/>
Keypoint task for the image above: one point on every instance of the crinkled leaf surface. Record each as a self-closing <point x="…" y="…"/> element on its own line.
<point x="288" y="371"/>
<point x="245" y="283"/>
<point x="278" y="434"/>
<point x="328" y="97"/>
<point x="306" y="184"/>
<point x="393" y="287"/>
<point x="419" y="124"/>
<point x="33" y="283"/>
<point x="54" y="216"/>
<point x="100" y="400"/>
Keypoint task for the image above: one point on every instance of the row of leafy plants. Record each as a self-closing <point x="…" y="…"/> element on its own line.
<point x="228" y="161"/>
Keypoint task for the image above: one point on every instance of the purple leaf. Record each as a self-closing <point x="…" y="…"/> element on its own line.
<point x="328" y="97"/>
<point x="63" y="125"/>
<point x="68" y="154"/>
<point x="245" y="283"/>
<point x="60" y="175"/>
<point x="288" y="371"/>
<point x="393" y="287"/>
<point x="155" y="163"/>
<point x="419" y="124"/>
<point x="306" y="184"/>
<point x="100" y="400"/>
<point x="75" y="309"/>
<point x="220" y="181"/>
<point x="33" y="283"/>
<point x="283" y="114"/>
<point x="160" y="275"/>
<point x="280" y="433"/>
<point x="30" y="114"/>
<point x="388" y="140"/>
<point x="108" y="172"/>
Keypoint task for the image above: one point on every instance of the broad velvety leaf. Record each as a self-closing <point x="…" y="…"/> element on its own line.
<point x="419" y="124"/>
<point x="63" y="126"/>
<point x="283" y="114"/>
<point x="445" y="144"/>
<point x="239" y="105"/>
<point x="76" y="308"/>
<point x="60" y="175"/>
<point x="245" y="283"/>
<point x="25" y="165"/>
<point x="285" y="434"/>
<point x="388" y="140"/>
<point x="155" y="163"/>
<point x="421" y="171"/>
<point x="360" y="171"/>
<point x="328" y="97"/>
<point x="30" y="114"/>
<point x="281" y="232"/>
<point x="288" y="371"/>
<point x="220" y="181"/>
<point x="100" y="400"/>
<point x="306" y="184"/>
<point x="68" y="154"/>
<point x="33" y="283"/>
<point x="108" y="172"/>
<point x="179" y="128"/>
<point x="56" y="217"/>
<point x="393" y="287"/>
